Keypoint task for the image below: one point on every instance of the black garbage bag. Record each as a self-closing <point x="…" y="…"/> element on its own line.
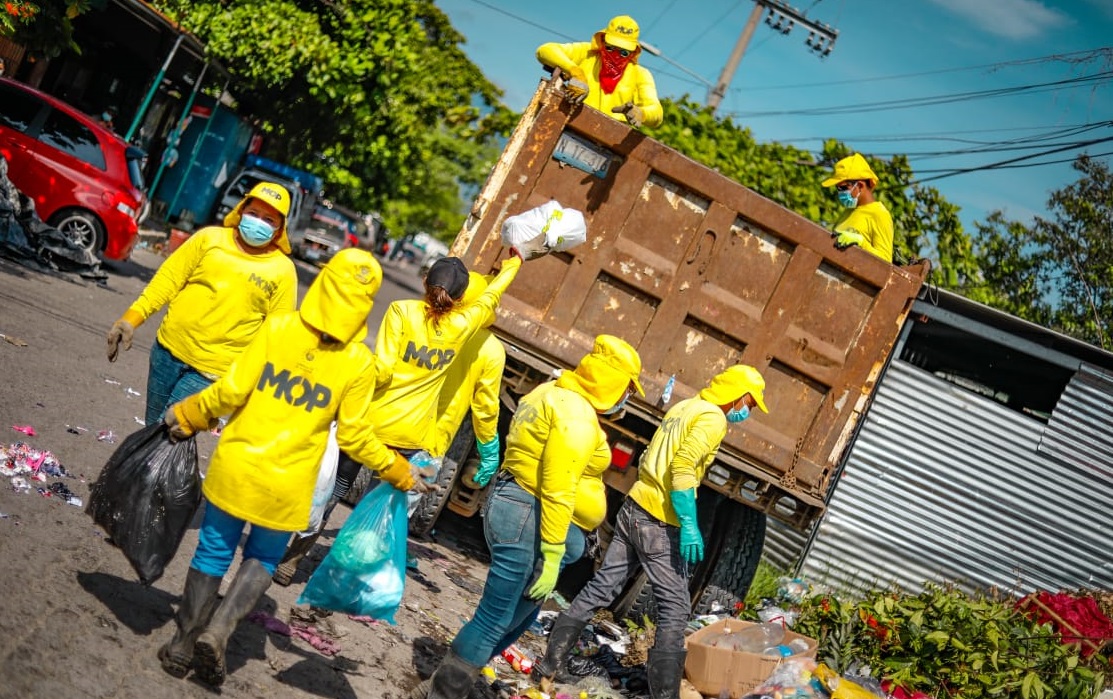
<point x="146" y="496"/>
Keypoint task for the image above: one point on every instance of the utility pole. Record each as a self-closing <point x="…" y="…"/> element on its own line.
<point x="782" y="17"/>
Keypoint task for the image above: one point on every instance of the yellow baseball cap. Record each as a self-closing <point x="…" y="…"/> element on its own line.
<point x="734" y="383"/>
<point x="622" y="31"/>
<point x="852" y="167"/>
<point x="269" y="193"/>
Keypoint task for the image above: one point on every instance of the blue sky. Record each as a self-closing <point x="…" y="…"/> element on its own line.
<point x="937" y="47"/>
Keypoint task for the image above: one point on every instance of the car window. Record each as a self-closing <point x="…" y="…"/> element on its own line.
<point x="67" y="134"/>
<point x="17" y="108"/>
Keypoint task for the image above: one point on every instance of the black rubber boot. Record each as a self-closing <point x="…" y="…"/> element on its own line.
<point x="198" y="601"/>
<point x="251" y="582"/>
<point x="665" y="669"/>
<point x="562" y="640"/>
<point x="298" y="548"/>
<point x="453" y="679"/>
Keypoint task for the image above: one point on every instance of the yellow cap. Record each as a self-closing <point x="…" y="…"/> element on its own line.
<point x="734" y="383"/>
<point x="604" y="375"/>
<point x="269" y="193"/>
<point x="852" y="167"/>
<point x="622" y="31"/>
<point x="340" y="298"/>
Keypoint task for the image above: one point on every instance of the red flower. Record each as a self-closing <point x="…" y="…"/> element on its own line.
<point x="825" y="605"/>
<point x="11" y="9"/>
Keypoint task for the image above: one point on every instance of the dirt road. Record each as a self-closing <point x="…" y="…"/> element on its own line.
<point x="75" y="622"/>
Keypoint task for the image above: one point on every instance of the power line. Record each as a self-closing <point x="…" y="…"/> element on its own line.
<point x="660" y="16"/>
<point x="530" y="22"/>
<point x="701" y="35"/>
<point x="929" y="135"/>
<point x="930" y="101"/>
<point x="1068" y="57"/>
<point x="1002" y="164"/>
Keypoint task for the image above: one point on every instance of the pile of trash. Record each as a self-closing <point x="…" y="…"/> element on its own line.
<point x="26" y="465"/>
<point x="26" y="240"/>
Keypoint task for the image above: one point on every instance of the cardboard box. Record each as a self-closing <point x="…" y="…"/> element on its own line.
<point x="711" y="670"/>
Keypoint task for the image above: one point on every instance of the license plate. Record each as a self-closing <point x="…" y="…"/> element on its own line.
<point x="583" y="155"/>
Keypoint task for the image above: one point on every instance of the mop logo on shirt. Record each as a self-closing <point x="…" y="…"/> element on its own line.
<point x="295" y="390"/>
<point x="427" y="358"/>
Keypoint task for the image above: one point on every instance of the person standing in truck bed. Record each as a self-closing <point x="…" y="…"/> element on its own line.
<point x="866" y="222"/>
<point x="656" y="528"/>
<point x="604" y="73"/>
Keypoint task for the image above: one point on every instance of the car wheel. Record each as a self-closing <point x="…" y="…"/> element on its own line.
<point x="82" y="228"/>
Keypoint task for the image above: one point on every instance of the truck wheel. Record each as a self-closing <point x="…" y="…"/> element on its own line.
<point x="432" y="504"/>
<point x="362" y="483"/>
<point x="739" y="537"/>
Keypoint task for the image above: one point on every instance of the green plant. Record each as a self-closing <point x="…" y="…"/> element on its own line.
<point x="948" y="644"/>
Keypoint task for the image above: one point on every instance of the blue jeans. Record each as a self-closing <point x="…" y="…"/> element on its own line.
<point x="642" y="541"/>
<point x="512" y="527"/>
<point x="169" y="380"/>
<point x="220" y="535"/>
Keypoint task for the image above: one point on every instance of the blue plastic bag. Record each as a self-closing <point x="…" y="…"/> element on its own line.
<point x="364" y="573"/>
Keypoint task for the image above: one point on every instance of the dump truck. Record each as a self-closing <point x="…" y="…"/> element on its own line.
<point x="698" y="273"/>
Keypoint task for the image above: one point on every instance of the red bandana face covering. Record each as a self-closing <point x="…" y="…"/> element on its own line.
<point x="611" y="67"/>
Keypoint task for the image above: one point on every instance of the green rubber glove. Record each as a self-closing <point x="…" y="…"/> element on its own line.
<point x="848" y="238"/>
<point x="550" y="569"/>
<point x="691" y="541"/>
<point x="488" y="460"/>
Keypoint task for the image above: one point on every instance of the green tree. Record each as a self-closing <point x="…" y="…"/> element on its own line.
<point x="927" y="224"/>
<point x="1057" y="271"/>
<point x="374" y="95"/>
<point x="44" y="28"/>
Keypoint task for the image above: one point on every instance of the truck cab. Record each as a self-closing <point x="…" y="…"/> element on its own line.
<point x="304" y="188"/>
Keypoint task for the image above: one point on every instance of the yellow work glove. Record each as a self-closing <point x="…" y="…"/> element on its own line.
<point x="847" y="238"/>
<point x="634" y="114"/>
<point x="575" y="86"/>
<point x="121" y="333"/>
<point x="400" y="473"/>
<point x="551" y="555"/>
<point x="184" y="419"/>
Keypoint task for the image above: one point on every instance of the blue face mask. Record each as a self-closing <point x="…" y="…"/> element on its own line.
<point x="255" y="231"/>
<point x="847" y="199"/>
<point x="617" y="406"/>
<point x="738" y="414"/>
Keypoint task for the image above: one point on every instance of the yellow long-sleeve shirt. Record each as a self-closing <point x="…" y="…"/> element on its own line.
<point x="636" y="84"/>
<point x="285" y="390"/>
<point x="472" y="381"/>
<point x="413" y="357"/>
<point x="218" y="298"/>
<point x="680" y="452"/>
<point x="553" y="437"/>
<point x="875" y="223"/>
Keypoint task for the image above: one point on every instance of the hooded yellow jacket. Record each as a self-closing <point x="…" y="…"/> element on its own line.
<point x="554" y="436"/>
<point x="413" y="358"/>
<point x="636" y="84"/>
<point x="472" y="381"/>
<point x="680" y="452"/>
<point x="875" y="223"/>
<point x="218" y="297"/>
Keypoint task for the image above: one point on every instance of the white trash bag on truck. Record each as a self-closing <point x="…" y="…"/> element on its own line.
<point x="544" y="229"/>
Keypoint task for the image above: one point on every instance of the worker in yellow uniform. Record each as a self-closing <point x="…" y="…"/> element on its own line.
<point x="554" y="436"/>
<point x="473" y="381"/>
<point x="221" y="284"/>
<point x="303" y="370"/>
<point x="866" y="223"/>
<point x="657" y="528"/>
<point x="604" y="73"/>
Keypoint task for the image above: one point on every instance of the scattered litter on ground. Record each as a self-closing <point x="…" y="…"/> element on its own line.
<point x="13" y="340"/>
<point x="76" y="429"/>
<point x="131" y="391"/>
<point x="106" y="436"/>
<point x="306" y="632"/>
<point x="113" y="382"/>
<point x="59" y="489"/>
<point x="25" y="429"/>
<point x="139" y="420"/>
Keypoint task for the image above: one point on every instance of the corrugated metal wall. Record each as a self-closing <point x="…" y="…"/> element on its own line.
<point x="1081" y="427"/>
<point x="943" y="484"/>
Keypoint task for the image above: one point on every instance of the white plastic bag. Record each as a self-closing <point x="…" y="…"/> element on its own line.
<point x="546" y="228"/>
<point x="326" y="481"/>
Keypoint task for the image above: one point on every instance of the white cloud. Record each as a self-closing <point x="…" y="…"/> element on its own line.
<point x="1012" y="19"/>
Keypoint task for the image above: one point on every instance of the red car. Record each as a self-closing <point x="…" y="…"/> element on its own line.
<point x="84" y="179"/>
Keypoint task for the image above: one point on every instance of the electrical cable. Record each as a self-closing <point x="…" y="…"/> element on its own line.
<point x="1004" y="163"/>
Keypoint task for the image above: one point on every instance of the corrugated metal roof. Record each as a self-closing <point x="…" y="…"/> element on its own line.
<point x="1081" y="428"/>
<point x="943" y="484"/>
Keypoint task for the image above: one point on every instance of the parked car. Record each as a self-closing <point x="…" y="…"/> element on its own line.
<point x="84" y="179"/>
<point x="326" y="234"/>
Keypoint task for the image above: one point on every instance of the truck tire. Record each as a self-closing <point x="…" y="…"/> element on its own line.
<point x="363" y="482"/>
<point x="432" y="504"/>
<point x="734" y="549"/>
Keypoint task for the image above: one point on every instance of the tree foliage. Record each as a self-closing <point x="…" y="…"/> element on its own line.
<point x="46" y="27"/>
<point x="374" y="95"/>
<point x="927" y="225"/>
<point x="1057" y="271"/>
